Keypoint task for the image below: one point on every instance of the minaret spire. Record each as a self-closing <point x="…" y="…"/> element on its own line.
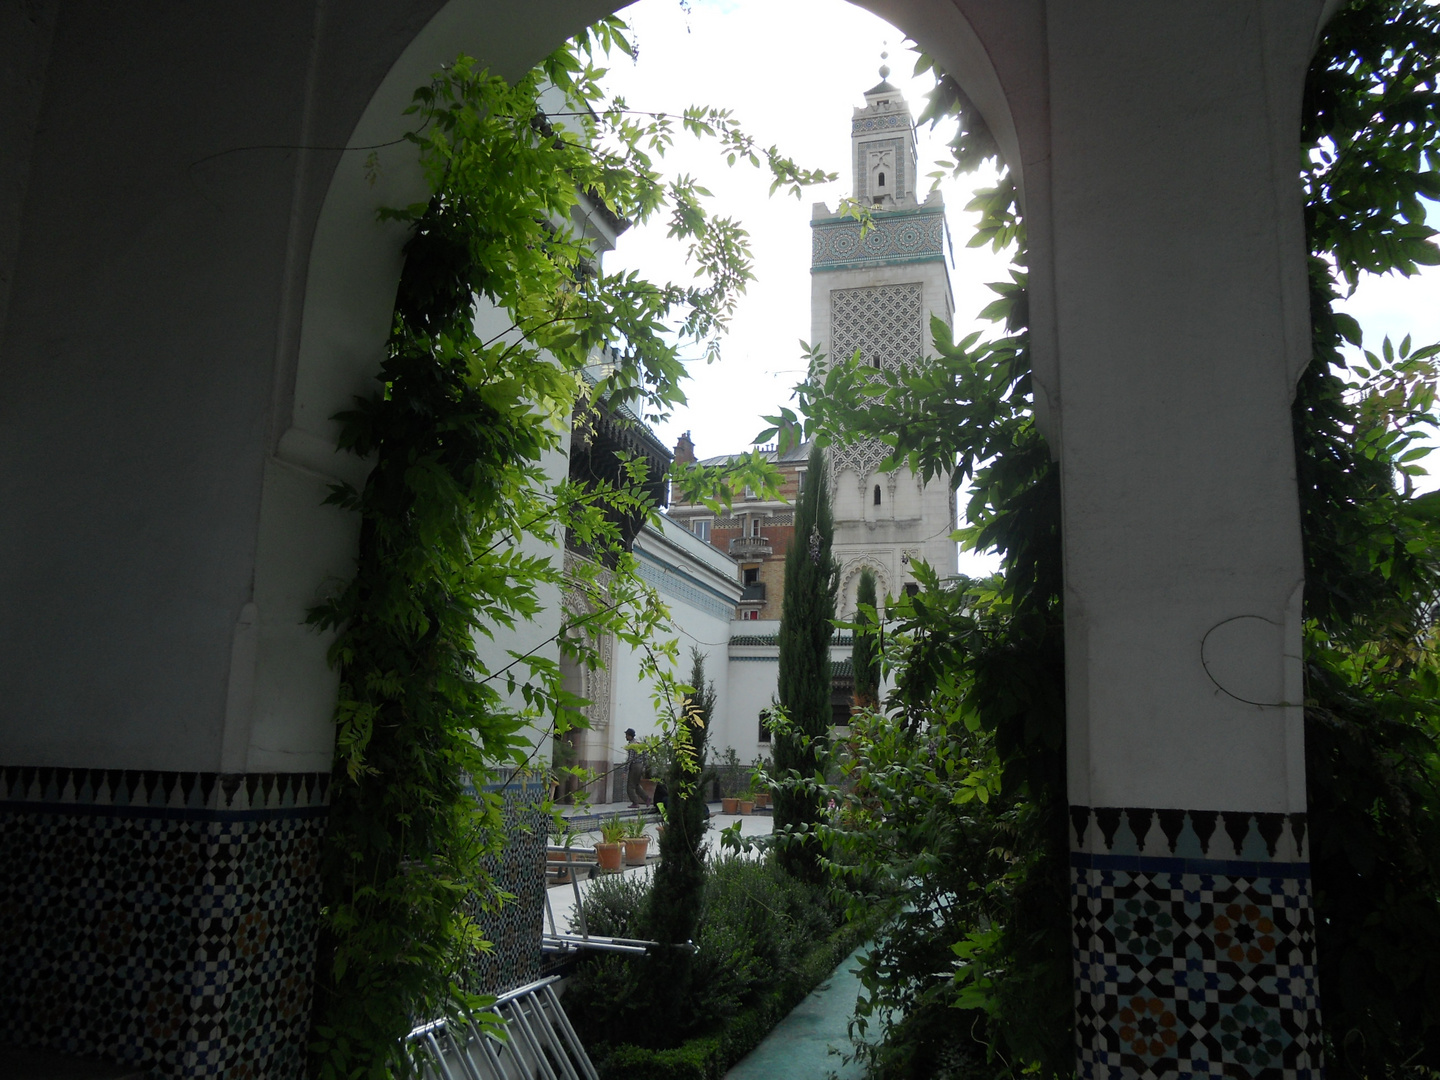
<point x="883" y="137"/>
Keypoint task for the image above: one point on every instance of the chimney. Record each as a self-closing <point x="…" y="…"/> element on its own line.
<point x="684" y="450"/>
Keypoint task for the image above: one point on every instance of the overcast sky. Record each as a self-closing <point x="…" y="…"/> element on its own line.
<point x="792" y="71"/>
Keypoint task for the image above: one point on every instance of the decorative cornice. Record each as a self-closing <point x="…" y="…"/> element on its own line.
<point x="163" y="793"/>
<point x="866" y="125"/>
<point x="914" y="236"/>
<point x="1205" y="835"/>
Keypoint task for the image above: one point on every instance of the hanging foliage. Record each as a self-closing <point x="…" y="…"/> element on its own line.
<point x="459" y="501"/>
<point x="957" y="815"/>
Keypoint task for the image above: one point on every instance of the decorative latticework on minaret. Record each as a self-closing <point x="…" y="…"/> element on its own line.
<point x="876" y="294"/>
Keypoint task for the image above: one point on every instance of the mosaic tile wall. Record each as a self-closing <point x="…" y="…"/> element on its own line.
<point x="515" y="928"/>
<point x="1194" y="945"/>
<point x="160" y="919"/>
<point x="902" y="236"/>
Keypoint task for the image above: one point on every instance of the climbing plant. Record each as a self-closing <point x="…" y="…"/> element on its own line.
<point x="959" y="810"/>
<point x="460" y="522"/>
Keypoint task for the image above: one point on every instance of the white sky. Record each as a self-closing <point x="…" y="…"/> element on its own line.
<point x="792" y="71"/>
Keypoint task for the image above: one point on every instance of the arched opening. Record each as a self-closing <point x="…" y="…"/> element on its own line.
<point x="875" y="498"/>
<point x="352" y="270"/>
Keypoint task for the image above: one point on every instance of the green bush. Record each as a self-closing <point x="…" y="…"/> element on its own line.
<point x="708" y="1057"/>
<point x="757" y="928"/>
<point x="695" y="1060"/>
<point x="614" y="906"/>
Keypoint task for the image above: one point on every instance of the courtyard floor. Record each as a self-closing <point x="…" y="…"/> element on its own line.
<point x="562" y="897"/>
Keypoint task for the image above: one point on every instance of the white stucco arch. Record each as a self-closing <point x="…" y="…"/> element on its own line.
<point x="849" y="575"/>
<point x="353" y="268"/>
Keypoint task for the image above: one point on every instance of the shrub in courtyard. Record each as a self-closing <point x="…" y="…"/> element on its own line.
<point x="757" y="930"/>
<point x="806" y="614"/>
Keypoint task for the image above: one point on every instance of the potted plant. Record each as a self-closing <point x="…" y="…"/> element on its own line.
<point x="757" y="782"/>
<point x="607" y="851"/>
<point x="747" y="802"/>
<point x="636" y="842"/>
<point x="729" y="804"/>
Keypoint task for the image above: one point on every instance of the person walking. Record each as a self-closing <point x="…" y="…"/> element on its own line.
<point x="634" y="769"/>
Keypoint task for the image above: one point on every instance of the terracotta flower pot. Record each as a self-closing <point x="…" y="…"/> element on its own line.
<point x="608" y="856"/>
<point x="762" y="799"/>
<point x="635" y="847"/>
<point x="746" y="806"/>
<point x="729" y="806"/>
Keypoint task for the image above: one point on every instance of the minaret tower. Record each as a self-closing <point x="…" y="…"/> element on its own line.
<point x="877" y="295"/>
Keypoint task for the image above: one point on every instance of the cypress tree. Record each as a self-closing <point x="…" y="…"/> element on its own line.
<point x="679" y="888"/>
<point x="865" y="653"/>
<point x="806" y="614"/>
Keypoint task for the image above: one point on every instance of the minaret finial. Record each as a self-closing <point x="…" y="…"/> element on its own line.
<point x="884" y="67"/>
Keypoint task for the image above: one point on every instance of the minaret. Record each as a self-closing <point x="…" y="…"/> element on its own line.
<point x="877" y="295"/>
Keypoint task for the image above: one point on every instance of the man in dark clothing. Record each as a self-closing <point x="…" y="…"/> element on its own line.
<point x="634" y="769"/>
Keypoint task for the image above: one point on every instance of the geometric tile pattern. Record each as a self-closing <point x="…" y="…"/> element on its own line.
<point x="156" y="789"/>
<point x="1194" y="945"/>
<point x="1189" y="834"/>
<point x="670" y="582"/>
<point x="165" y="920"/>
<point x="514" y="927"/>
<point x="1183" y="974"/>
<point x="886" y="323"/>
<point x="863" y="125"/>
<point x="896" y="237"/>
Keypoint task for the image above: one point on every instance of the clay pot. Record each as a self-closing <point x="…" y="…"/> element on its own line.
<point x="762" y="800"/>
<point x="729" y="806"/>
<point x="747" y="806"/>
<point x="635" y="847"/>
<point x="608" y="856"/>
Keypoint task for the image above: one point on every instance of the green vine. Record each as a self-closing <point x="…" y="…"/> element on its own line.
<point x="462" y="520"/>
<point x="955" y="819"/>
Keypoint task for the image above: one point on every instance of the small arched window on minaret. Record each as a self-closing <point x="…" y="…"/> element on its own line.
<point x="877" y="494"/>
<point x="882" y="171"/>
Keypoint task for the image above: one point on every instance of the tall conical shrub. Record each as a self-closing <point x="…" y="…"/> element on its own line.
<point x="865" y="653"/>
<point x="679" y="889"/>
<point x="806" y="614"/>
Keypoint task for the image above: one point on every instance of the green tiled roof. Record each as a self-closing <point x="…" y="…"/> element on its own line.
<point x="843" y="637"/>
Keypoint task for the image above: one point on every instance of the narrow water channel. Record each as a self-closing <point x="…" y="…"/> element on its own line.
<point x="807" y="1044"/>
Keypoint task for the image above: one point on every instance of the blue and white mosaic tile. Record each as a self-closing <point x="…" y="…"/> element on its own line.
<point x="1193" y="964"/>
<point x="160" y="919"/>
<point x="899" y="237"/>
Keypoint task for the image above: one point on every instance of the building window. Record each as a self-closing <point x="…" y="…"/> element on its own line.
<point x="755" y="525"/>
<point x="753" y="615"/>
<point x="799" y="481"/>
<point x="749" y="492"/>
<point x="752" y="575"/>
<point x="765" y="725"/>
<point x="701" y="528"/>
<point x="877" y="494"/>
<point x="912" y="588"/>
